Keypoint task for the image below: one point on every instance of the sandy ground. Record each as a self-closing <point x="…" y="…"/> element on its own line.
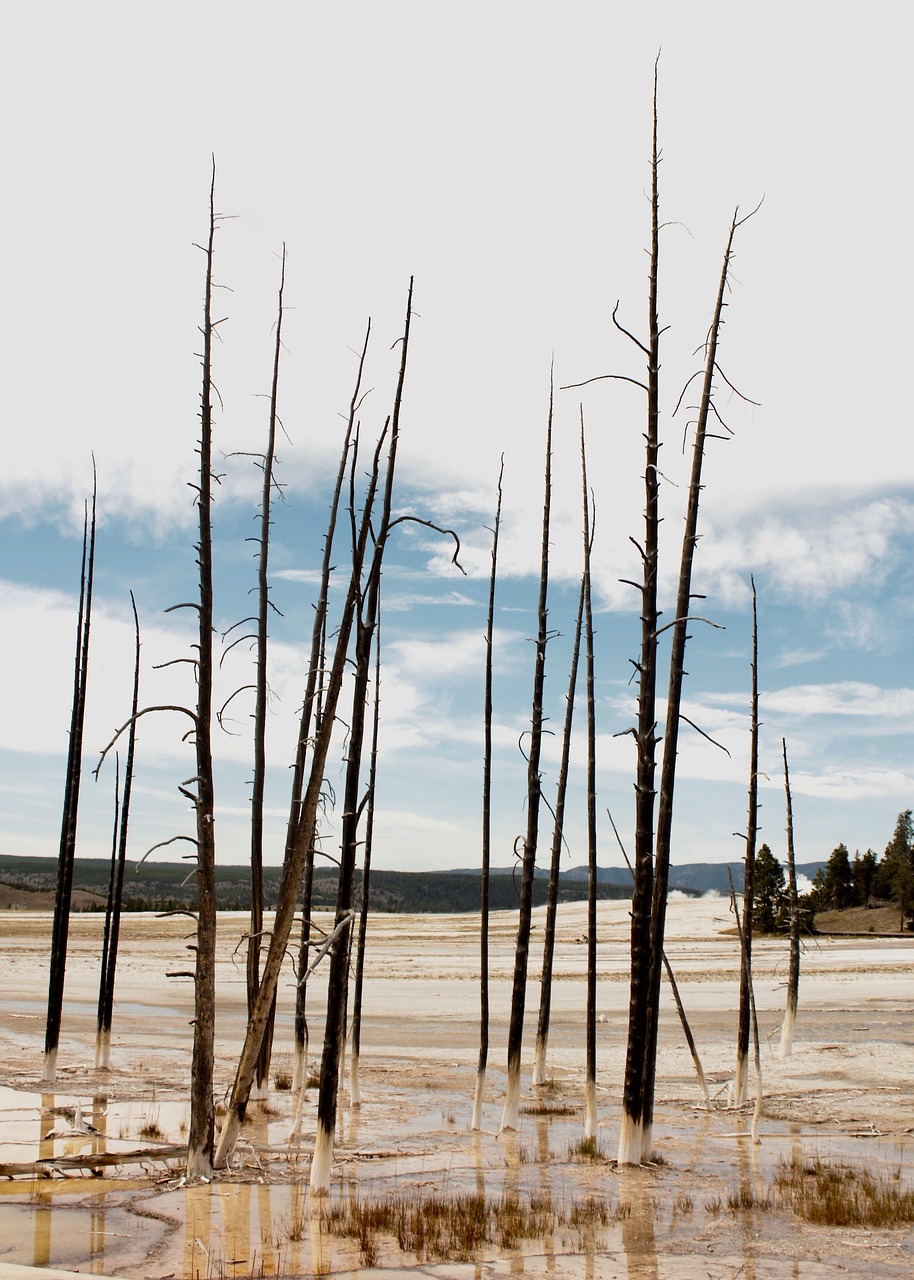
<point x="844" y="1095"/>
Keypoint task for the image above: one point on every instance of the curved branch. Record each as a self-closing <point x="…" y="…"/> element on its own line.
<point x="133" y="719"/>
<point x="161" y="845"/>
<point x="718" y="626"/>
<point x="638" y="343"/>
<point x="601" y="377"/>
<point x="713" y="741"/>
<point x="438" y="529"/>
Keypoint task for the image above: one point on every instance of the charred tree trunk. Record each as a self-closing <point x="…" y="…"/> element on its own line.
<point x="255" y="938"/>
<point x="740" y="931"/>
<point x="740" y="1079"/>
<point x="116" y="886"/>
<point x="558" y="835"/>
<point x="61" y="927"/>
<point x="337" y="982"/>
<point x="522" y="950"/>
<point x="633" y="1103"/>
<point x="202" y="1111"/>
<point x="590" y="1078"/>
<point x="482" y="1062"/>
<point x="793" y="971"/>
<point x="355" y="1092"/>
<point x="311" y="712"/>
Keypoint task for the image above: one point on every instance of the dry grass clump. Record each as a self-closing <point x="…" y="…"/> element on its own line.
<point x="152" y="1130"/>
<point x="456" y="1227"/>
<point x="842" y="1195"/>
<point x="588" y="1151"/>
<point x="549" y="1109"/>
<point x="282" y="1080"/>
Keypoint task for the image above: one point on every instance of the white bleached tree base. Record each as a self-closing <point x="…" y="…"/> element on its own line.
<point x="321" y="1162"/>
<point x="199" y="1166"/>
<point x="476" y="1122"/>
<point x="512" y="1099"/>
<point x="228" y="1136"/>
<point x="630" y="1138"/>
<point x="259" y="1092"/>
<point x="539" y="1060"/>
<point x="590" y="1113"/>
<point x="103" y="1051"/>
<point x="299" y="1066"/>
<point x="790" y="1019"/>
<point x="50" y="1067"/>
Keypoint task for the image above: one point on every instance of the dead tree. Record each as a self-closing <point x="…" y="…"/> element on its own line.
<point x="255" y="937"/>
<point x="202" y="1111"/>
<point x="302" y="839"/>
<point x="590" y="1077"/>
<point x="355" y="1092"/>
<point x="683" y="617"/>
<point x="528" y="865"/>
<point x="366" y="613"/>
<point x="740" y="1078"/>
<point x="311" y="717"/>
<point x="116" y="881"/>
<point x="631" y="1129"/>
<point x="793" y="971"/>
<point x="558" y="838"/>
<point x="67" y="851"/>
<point x="482" y="1062"/>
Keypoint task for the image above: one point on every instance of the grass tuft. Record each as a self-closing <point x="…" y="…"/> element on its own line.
<point x="843" y="1195"/>
<point x="587" y="1151"/>
<point x="282" y="1081"/>
<point x="549" y="1109"/>
<point x="152" y="1130"/>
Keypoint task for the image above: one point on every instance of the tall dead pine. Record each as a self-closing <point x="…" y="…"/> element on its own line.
<point x="528" y="865"/>
<point x="590" y="1070"/>
<point x="116" y="881"/>
<point x="202" y="1108"/>
<point x="793" y="969"/>
<point x="67" y="851"/>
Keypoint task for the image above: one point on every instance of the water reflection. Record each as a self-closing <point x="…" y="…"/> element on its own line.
<point x="636" y="1203"/>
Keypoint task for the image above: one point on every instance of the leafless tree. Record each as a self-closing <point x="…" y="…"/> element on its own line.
<point x="61" y="927"/>
<point x="482" y="1063"/>
<point x="312" y="715"/>
<point x="740" y="1078"/>
<point x="793" y="971"/>
<point x="366" y="613"/>
<point x="558" y="839"/>
<point x="590" y="1077"/>
<point x="528" y="865"/>
<point x="116" y="882"/>
<point x="202" y="1109"/>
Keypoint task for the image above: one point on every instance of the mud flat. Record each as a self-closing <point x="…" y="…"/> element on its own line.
<point x="709" y="1206"/>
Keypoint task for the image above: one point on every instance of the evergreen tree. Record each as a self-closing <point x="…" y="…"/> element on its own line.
<point x="768" y="891"/>
<point x="838" y="882"/>
<point x="898" y="863"/>
<point x="863" y="876"/>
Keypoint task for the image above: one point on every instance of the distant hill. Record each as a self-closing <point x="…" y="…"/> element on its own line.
<point x="164" y="886"/>
<point x="691" y="877"/>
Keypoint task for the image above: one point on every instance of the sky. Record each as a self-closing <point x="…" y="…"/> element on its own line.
<point x="499" y="154"/>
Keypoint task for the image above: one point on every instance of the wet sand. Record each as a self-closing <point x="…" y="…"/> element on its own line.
<point x="843" y="1095"/>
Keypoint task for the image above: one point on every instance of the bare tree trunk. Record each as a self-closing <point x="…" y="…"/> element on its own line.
<point x="793" y="971"/>
<point x="633" y="1104"/>
<point x="299" y="847"/>
<point x="61" y="928"/>
<point x="590" y="1078"/>
<point x="337" y="982"/>
<point x="757" y="1110"/>
<point x="684" y="599"/>
<point x="311" y="710"/>
<point x="522" y="950"/>
<point x="558" y="834"/>
<point x="255" y="937"/>
<point x="116" y="887"/>
<point x="355" y="1093"/>
<point x="202" y="1111"/>
<point x="482" y="1063"/>
<point x="740" y="1078"/>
